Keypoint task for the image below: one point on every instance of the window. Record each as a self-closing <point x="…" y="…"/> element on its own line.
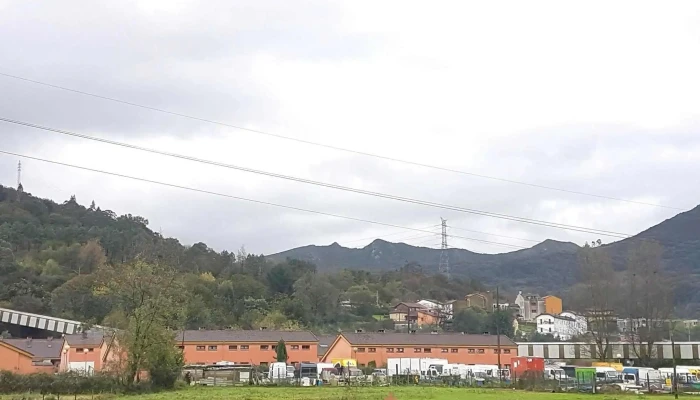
<point x="244" y="347"/>
<point x="399" y="350"/>
<point x="427" y="350"/>
<point x="471" y="351"/>
<point x="306" y="347"/>
<point x="264" y="347"/>
<point x="295" y="347"/>
<point x="417" y="350"/>
<point x="213" y="348"/>
<point x="263" y="364"/>
<point x="233" y="347"/>
<point x="78" y="350"/>
<point x="181" y="347"/>
<point x="495" y="351"/>
<point x="480" y="351"/>
<point x="201" y="348"/>
<point x="360" y="350"/>
<point x="454" y="350"/>
<point x="506" y="366"/>
<point x="372" y="350"/>
<point x="390" y="350"/>
<point x="444" y="350"/>
<point x="274" y="347"/>
<point x="506" y="351"/>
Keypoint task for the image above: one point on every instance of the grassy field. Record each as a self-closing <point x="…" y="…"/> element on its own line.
<point x="367" y="393"/>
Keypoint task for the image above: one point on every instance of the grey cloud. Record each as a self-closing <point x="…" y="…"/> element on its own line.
<point x="203" y="66"/>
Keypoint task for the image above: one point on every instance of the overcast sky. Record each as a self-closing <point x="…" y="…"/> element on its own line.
<point x="600" y="97"/>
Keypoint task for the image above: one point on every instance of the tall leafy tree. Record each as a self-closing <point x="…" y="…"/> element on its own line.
<point x="150" y="302"/>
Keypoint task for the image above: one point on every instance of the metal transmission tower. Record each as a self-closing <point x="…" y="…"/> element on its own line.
<point x="20" y="189"/>
<point x="444" y="265"/>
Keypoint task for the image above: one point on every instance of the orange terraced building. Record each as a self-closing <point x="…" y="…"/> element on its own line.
<point x="258" y="347"/>
<point x="89" y="351"/>
<point x="26" y="356"/>
<point x="455" y="347"/>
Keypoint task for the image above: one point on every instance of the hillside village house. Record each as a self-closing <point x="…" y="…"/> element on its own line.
<point x="413" y="314"/>
<point x="552" y="305"/>
<point x="444" y="308"/>
<point x="562" y="326"/>
<point x="27" y="356"/>
<point x="246" y="347"/>
<point x="532" y="305"/>
<point x="482" y="300"/>
<point x="455" y="347"/>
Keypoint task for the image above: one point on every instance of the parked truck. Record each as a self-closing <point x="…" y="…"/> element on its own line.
<point x="415" y="366"/>
<point x="645" y="377"/>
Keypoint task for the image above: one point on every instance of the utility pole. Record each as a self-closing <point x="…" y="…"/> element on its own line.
<point x="498" y="332"/>
<point x="674" y="381"/>
<point x="444" y="266"/>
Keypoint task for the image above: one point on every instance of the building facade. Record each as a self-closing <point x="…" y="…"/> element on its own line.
<point x="563" y="326"/>
<point x="413" y="315"/>
<point x="258" y="347"/>
<point x="530" y="306"/>
<point x="482" y="300"/>
<point x="552" y="305"/>
<point x="87" y="352"/>
<point x="27" y="356"/>
<point x="377" y="348"/>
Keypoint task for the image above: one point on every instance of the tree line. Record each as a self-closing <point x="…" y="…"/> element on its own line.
<point x="53" y="257"/>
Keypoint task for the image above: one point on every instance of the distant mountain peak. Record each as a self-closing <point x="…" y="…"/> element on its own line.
<point x="555" y="245"/>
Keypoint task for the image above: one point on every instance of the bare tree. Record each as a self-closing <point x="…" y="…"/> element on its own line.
<point x="648" y="304"/>
<point x="597" y="295"/>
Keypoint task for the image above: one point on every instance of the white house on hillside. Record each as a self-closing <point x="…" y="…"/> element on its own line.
<point x="443" y="308"/>
<point x="563" y="326"/>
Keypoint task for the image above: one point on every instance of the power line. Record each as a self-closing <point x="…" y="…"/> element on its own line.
<point x="337" y="148"/>
<point x="245" y="199"/>
<point x="329" y="185"/>
<point x="382" y="236"/>
<point x="493" y="234"/>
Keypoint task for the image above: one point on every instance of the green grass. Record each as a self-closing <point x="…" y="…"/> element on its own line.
<point x="366" y="393"/>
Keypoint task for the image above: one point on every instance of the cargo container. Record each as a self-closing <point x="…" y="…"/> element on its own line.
<point x="527" y="366"/>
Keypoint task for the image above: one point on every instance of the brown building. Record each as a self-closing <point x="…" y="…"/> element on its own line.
<point x="258" y="347"/>
<point x="413" y="315"/>
<point x="27" y="356"/>
<point x="483" y="300"/>
<point x="455" y="347"/>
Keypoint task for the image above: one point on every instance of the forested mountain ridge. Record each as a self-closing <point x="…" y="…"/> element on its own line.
<point x="52" y="254"/>
<point x="550" y="266"/>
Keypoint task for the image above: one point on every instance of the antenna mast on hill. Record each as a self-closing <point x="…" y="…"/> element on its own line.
<point x="444" y="265"/>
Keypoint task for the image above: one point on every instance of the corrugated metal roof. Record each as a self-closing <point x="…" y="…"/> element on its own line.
<point x="423" y="339"/>
<point x="220" y="336"/>
<point x="38" y="348"/>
